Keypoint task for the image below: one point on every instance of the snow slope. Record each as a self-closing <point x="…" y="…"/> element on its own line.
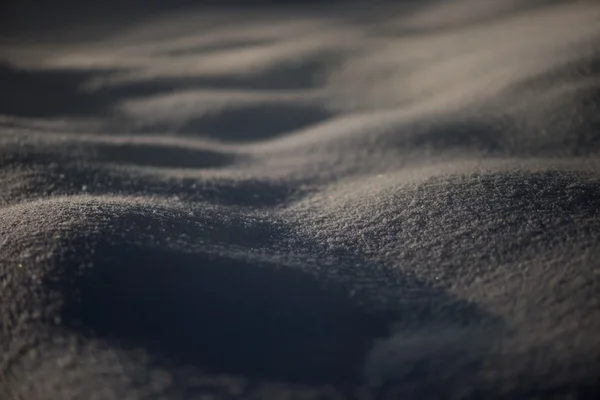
<point x="384" y="201"/>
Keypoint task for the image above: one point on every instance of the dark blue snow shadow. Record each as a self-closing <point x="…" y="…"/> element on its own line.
<point x="255" y="122"/>
<point x="43" y="94"/>
<point x="61" y="171"/>
<point x="261" y="319"/>
<point x="158" y="155"/>
<point x="67" y="92"/>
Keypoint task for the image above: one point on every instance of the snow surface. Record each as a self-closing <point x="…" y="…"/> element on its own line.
<point x="386" y="201"/>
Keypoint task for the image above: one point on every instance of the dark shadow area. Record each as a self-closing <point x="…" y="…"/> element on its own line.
<point x="64" y="93"/>
<point x="51" y="93"/>
<point x="487" y="137"/>
<point x="146" y="285"/>
<point x="230" y="316"/>
<point x="586" y="124"/>
<point x="247" y="193"/>
<point x="255" y="122"/>
<point x="24" y="16"/>
<point x="63" y="173"/>
<point x="224" y="315"/>
<point x="570" y="129"/>
<point x="154" y="155"/>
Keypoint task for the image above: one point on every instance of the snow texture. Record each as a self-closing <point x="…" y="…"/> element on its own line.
<point x="394" y="201"/>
